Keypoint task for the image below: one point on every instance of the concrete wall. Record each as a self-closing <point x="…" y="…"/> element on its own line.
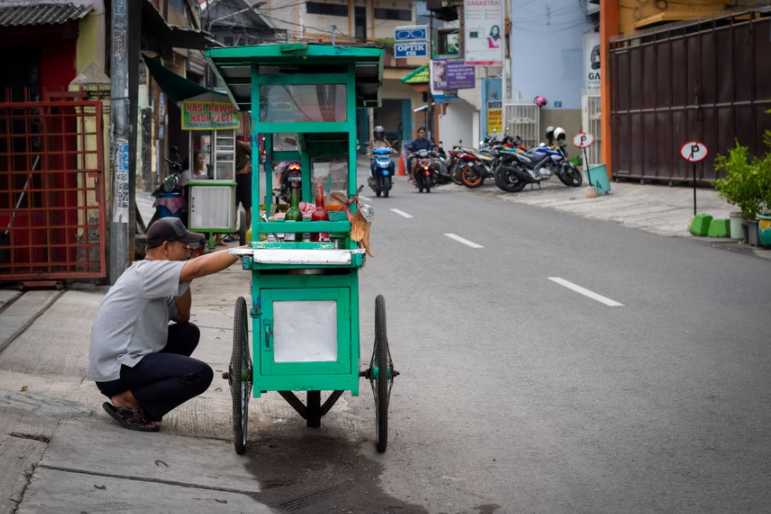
<point x="91" y="40"/>
<point x="547" y="50"/>
<point x="569" y="119"/>
<point x="286" y="15"/>
<point x="456" y="123"/>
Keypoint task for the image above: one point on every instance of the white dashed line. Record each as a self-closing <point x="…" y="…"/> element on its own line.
<point x="401" y="213"/>
<point x="466" y="242"/>
<point x="582" y="290"/>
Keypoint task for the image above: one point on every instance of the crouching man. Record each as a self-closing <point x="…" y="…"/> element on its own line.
<point x="137" y="359"/>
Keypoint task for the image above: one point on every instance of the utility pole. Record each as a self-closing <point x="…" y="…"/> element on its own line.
<point x="120" y="132"/>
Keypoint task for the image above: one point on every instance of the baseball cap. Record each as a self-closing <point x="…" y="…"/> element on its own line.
<point x="171" y="229"/>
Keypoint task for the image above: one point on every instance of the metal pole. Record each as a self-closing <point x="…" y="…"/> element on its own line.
<point x="120" y="131"/>
<point x="694" y="189"/>
<point x="586" y="167"/>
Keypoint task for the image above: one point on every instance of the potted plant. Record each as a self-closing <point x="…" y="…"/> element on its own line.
<point x="764" y="217"/>
<point x="745" y="185"/>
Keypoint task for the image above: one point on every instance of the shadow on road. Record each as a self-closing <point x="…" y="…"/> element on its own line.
<point x="319" y="473"/>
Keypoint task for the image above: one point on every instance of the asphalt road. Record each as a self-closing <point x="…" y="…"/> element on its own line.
<point x="549" y="363"/>
<point x="518" y="394"/>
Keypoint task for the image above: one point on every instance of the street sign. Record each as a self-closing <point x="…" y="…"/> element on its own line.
<point x="410" y="49"/>
<point x="583" y="140"/>
<point x="694" y="151"/>
<point x="411" y="33"/>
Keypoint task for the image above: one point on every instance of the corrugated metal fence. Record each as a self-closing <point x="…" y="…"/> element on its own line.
<point x="709" y="81"/>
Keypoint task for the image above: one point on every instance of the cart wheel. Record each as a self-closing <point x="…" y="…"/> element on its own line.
<point x="240" y="376"/>
<point x="381" y="374"/>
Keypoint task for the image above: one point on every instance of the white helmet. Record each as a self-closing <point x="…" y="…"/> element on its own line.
<point x="559" y="133"/>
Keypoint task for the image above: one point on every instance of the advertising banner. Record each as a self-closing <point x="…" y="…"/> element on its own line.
<point x="494" y="106"/>
<point x="452" y="75"/>
<point x="411" y="41"/>
<point x="483" y="32"/>
<point x="592" y="60"/>
<point x="206" y="115"/>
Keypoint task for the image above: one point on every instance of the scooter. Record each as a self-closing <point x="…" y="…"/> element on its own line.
<point x="381" y="183"/>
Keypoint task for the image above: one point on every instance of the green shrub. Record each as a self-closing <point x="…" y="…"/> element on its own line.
<point x="747" y="181"/>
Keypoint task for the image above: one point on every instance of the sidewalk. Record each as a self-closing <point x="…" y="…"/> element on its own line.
<point x="60" y="452"/>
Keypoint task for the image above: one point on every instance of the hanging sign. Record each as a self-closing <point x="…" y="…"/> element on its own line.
<point x="411" y="41"/>
<point x="583" y="140"/>
<point x="483" y="32"/>
<point x="694" y="151"/>
<point x="208" y="115"/>
<point x="449" y="75"/>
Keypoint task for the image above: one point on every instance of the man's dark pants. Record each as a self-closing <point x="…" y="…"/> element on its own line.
<point x="162" y="381"/>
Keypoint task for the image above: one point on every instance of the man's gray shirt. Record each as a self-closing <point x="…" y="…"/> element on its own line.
<point x="133" y="319"/>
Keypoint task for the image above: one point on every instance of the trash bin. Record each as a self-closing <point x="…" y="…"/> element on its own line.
<point x="598" y="177"/>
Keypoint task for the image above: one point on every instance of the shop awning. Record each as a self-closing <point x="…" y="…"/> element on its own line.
<point x="42" y="13"/>
<point x="160" y="36"/>
<point x="176" y="88"/>
<point x="419" y="75"/>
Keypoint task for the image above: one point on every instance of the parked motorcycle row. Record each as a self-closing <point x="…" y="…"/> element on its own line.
<point x="505" y="160"/>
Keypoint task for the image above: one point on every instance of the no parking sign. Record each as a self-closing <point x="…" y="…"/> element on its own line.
<point x="694" y="152"/>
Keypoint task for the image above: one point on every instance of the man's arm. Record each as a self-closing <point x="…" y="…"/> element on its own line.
<point x="183" y="306"/>
<point x="206" y="265"/>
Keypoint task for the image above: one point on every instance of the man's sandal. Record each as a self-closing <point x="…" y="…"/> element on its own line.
<point x="133" y="419"/>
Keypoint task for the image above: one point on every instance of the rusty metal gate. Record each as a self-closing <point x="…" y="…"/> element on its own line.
<point x="52" y="197"/>
<point x="709" y="81"/>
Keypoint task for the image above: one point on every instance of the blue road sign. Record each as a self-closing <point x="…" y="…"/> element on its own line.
<point x="414" y="49"/>
<point x="411" y="33"/>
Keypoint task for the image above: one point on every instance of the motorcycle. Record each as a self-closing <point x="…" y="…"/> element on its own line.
<point x="381" y="183"/>
<point x="535" y="166"/>
<point x="475" y="167"/>
<point x="423" y="171"/>
<point x="442" y="164"/>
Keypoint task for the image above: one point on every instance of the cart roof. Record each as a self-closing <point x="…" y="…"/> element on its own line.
<point x="234" y="66"/>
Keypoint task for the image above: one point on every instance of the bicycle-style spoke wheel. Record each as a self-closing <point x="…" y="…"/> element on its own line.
<point x="381" y="374"/>
<point x="240" y="376"/>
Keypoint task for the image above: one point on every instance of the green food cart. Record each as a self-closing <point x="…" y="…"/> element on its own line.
<point x="211" y="121"/>
<point x="304" y="295"/>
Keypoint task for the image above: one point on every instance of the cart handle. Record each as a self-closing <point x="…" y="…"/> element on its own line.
<point x="268" y="334"/>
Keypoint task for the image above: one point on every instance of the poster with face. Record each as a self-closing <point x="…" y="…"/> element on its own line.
<point x="483" y="32"/>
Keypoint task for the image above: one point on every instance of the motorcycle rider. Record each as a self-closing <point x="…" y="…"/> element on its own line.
<point x="379" y="141"/>
<point x="421" y="142"/>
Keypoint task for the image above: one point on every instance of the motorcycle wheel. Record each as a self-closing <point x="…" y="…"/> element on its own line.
<point x="507" y="180"/>
<point x="470" y="177"/>
<point x="571" y="177"/>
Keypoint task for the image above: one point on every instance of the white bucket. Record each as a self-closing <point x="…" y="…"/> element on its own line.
<point x="736" y="225"/>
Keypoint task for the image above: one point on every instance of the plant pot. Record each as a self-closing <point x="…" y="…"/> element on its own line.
<point x="764" y="230"/>
<point x="751" y="232"/>
<point x="737" y="233"/>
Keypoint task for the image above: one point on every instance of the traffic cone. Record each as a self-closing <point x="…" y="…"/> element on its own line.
<point x="400" y="171"/>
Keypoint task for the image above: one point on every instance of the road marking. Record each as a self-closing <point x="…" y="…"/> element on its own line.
<point x="365" y="198"/>
<point x="401" y="213"/>
<point x="466" y="242"/>
<point x="582" y="290"/>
